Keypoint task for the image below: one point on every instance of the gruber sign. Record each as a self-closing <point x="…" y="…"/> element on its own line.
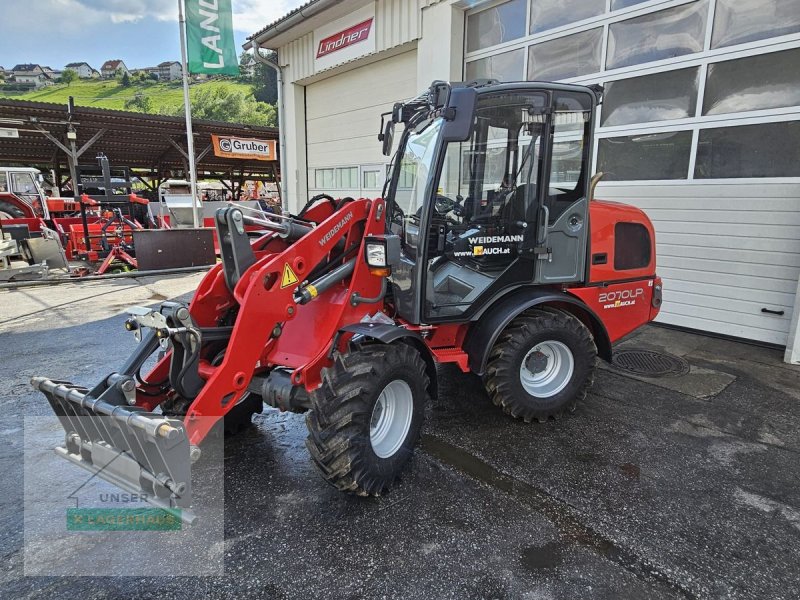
<point x="245" y="148"/>
<point x="343" y="39"/>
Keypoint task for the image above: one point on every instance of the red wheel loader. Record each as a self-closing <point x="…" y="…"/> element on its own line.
<point x="486" y="250"/>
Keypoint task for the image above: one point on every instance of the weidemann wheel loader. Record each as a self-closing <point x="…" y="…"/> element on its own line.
<point x="486" y="250"/>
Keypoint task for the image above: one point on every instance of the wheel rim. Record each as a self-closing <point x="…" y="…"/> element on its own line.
<point x="391" y="418"/>
<point x="546" y="369"/>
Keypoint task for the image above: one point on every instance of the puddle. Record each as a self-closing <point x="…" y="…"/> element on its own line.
<point x="548" y="556"/>
<point x="567" y="520"/>
<point x="630" y="470"/>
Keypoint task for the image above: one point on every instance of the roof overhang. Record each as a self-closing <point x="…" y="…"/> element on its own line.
<point x="301" y="21"/>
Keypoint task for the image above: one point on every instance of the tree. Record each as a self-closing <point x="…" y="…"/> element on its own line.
<point x="265" y="80"/>
<point x="68" y="76"/>
<point x="139" y="103"/>
<point x="125" y="80"/>
<point x="231" y="106"/>
<point x="154" y="76"/>
<point x="245" y="66"/>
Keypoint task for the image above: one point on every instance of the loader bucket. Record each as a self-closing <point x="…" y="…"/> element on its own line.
<point x="141" y="452"/>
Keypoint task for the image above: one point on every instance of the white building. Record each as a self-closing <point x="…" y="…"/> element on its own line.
<point x="170" y="70"/>
<point x="700" y="125"/>
<point x="84" y="70"/>
<point x="31" y="74"/>
<point x="110" y="68"/>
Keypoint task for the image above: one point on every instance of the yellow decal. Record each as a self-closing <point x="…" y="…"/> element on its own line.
<point x="289" y="278"/>
<point x="477" y="251"/>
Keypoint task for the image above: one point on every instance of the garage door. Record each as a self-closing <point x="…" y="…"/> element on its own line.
<point x="343" y="118"/>
<point x="726" y="253"/>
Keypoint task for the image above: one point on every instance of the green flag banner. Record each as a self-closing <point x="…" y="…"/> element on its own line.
<point x="209" y="34"/>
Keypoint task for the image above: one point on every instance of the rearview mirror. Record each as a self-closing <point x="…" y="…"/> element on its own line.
<point x="388" y="138"/>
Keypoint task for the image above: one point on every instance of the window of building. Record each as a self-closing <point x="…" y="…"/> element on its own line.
<point x="496" y="25"/>
<point x="740" y="21"/>
<point x="323" y="178"/>
<point x="548" y="14"/>
<point x="407" y="175"/>
<point x="347" y="178"/>
<point x="372" y="179"/>
<point x="649" y="156"/>
<point x="507" y="66"/>
<point x="753" y="83"/>
<point x="569" y="56"/>
<point x="657" y="36"/>
<point x="658" y="97"/>
<point x="763" y="150"/>
<point x="620" y="4"/>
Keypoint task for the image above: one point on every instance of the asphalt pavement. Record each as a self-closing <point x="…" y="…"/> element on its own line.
<point x="672" y="487"/>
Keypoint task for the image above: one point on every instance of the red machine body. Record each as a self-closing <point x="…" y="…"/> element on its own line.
<point x="622" y="301"/>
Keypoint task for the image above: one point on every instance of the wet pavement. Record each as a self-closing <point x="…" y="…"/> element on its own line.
<point x="670" y="488"/>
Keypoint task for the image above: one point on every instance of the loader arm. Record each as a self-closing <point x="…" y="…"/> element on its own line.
<point x="244" y="311"/>
<point x="266" y="303"/>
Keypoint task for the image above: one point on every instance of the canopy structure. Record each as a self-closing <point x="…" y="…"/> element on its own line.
<point x="56" y="138"/>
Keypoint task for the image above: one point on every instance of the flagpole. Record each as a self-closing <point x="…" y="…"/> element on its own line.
<point x="188" y="110"/>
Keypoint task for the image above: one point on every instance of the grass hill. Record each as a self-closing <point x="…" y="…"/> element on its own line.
<point x="165" y="97"/>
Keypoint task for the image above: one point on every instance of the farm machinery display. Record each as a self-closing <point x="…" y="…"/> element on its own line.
<point x="486" y="250"/>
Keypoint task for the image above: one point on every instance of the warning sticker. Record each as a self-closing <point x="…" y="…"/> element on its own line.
<point x="289" y="278"/>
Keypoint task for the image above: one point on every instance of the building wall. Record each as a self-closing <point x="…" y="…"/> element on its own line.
<point x="397" y="28"/>
<point x="700" y="127"/>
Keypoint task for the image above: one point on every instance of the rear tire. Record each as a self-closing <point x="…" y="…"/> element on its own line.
<point x="541" y="366"/>
<point x="366" y="417"/>
<point x="9" y="211"/>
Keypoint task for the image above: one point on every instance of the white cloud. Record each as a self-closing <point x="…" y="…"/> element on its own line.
<point x="250" y="16"/>
<point x="54" y="17"/>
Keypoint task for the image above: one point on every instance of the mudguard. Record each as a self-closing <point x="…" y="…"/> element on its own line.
<point x="483" y="334"/>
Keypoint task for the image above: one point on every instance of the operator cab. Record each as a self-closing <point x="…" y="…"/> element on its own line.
<point x="488" y="192"/>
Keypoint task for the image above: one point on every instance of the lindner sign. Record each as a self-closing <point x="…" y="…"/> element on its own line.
<point x="243" y="148"/>
<point x="345" y="39"/>
<point x="209" y="33"/>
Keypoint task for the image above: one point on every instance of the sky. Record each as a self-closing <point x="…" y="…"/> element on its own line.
<point x="142" y="33"/>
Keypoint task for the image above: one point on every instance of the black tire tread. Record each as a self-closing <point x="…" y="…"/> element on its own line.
<point x="500" y="370"/>
<point x="340" y="408"/>
<point x="11" y="209"/>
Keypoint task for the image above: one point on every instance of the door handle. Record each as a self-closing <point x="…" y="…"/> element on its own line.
<point x="544" y="219"/>
<point x="541" y="250"/>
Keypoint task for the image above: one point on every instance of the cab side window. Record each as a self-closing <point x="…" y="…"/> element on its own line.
<point x="569" y="166"/>
<point x="22" y="183"/>
<point x="3" y="183"/>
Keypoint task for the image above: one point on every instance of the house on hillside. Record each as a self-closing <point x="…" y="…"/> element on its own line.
<point x="170" y="70"/>
<point x="83" y="69"/>
<point x="110" y="68"/>
<point x="31" y="74"/>
<point x="247" y="66"/>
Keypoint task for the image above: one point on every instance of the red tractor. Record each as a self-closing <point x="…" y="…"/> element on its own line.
<point x="486" y="250"/>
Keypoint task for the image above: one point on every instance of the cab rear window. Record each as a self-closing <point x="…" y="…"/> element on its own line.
<point x="631" y="246"/>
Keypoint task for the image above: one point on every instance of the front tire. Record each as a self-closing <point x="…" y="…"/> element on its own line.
<point x="366" y="417"/>
<point x="541" y="366"/>
<point x="10" y="211"/>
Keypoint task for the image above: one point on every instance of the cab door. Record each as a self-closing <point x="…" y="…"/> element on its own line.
<point x="563" y="223"/>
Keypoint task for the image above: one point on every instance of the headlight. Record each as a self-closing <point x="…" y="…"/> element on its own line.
<point x="376" y="254"/>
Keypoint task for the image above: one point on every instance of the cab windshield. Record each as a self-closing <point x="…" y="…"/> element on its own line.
<point x="410" y="176"/>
